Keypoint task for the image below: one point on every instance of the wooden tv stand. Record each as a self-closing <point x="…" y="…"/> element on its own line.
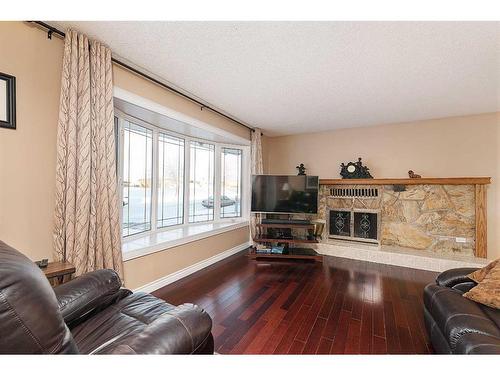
<point x="289" y="252"/>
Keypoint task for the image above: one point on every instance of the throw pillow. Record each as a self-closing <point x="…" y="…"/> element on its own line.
<point x="479" y="275"/>
<point x="487" y="292"/>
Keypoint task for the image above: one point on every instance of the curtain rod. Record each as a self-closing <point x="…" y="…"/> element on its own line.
<point x="52" y="30"/>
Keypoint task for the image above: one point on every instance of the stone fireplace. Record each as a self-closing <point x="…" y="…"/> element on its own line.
<point x="443" y="216"/>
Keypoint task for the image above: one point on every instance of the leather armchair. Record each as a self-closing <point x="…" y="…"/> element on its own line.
<point x="91" y="314"/>
<point x="455" y="324"/>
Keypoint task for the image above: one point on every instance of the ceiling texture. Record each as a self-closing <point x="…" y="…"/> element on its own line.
<point x="298" y="77"/>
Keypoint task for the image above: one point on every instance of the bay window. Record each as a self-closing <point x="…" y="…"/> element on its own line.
<point x="171" y="180"/>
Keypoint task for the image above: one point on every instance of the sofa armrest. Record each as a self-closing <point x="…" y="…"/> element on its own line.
<point x="455" y="276"/>
<point x="465" y="286"/>
<point x="88" y="293"/>
<point x="477" y="343"/>
<point x="186" y="329"/>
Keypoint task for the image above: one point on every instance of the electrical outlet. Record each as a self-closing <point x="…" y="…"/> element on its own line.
<point x="460" y="239"/>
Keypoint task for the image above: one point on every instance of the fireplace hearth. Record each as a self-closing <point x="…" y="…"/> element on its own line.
<point x="354" y="225"/>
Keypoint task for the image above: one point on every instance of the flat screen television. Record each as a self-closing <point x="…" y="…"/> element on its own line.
<point x="285" y="194"/>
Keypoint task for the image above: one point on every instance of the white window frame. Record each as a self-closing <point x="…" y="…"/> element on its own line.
<point x="188" y="170"/>
<point x="241" y="192"/>
<point x="245" y="177"/>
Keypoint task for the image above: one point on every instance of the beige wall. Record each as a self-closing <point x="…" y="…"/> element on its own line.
<point x="449" y="147"/>
<point x="28" y="154"/>
<point x="140" y="271"/>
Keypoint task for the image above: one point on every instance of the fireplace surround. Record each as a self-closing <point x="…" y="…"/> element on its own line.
<point x="444" y="216"/>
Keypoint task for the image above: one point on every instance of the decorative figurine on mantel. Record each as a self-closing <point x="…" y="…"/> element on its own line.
<point x="413" y="175"/>
<point x="301" y="169"/>
<point x="354" y="170"/>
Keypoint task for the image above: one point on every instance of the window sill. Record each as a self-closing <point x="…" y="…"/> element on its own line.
<point x="159" y="241"/>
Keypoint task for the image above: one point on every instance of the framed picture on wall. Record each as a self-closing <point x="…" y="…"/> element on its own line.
<point x="7" y="101"/>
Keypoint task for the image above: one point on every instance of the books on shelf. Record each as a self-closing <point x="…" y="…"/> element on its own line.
<point x="263" y="251"/>
<point x="270" y="250"/>
<point x="277" y="249"/>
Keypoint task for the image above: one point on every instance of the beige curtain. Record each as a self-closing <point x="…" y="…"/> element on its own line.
<point x="87" y="225"/>
<point x="256" y="168"/>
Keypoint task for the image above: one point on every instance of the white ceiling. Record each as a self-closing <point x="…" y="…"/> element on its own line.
<point x="296" y="77"/>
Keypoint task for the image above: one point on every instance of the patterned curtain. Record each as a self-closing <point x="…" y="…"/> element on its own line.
<point x="87" y="225"/>
<point x="256" y="168"/>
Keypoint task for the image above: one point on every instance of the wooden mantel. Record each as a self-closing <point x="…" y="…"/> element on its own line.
<point x="480" y="201"/>
<point x="408" y="181"/>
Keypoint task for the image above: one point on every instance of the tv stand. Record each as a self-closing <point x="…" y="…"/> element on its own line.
<point x="291" y="253"/>
<point x="284" y="232"/>
<point x="286" y="221"/>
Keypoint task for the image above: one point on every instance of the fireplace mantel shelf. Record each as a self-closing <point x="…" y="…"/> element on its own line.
<point x="409" y="181"/>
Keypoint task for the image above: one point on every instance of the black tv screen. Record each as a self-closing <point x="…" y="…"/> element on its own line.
<point x="285" y="194"/>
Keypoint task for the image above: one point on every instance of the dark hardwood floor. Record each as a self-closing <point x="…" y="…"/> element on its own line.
<point x="340" y="306"/>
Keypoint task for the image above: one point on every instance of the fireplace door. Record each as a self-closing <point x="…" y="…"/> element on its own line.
<point x="354" y="225"/>
<point x="340" y="223"/>
<point x="365" y="225"/>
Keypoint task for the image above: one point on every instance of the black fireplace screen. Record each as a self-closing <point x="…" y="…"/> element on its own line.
<point x="365" y="225"/>
<point x="340" y="223"/>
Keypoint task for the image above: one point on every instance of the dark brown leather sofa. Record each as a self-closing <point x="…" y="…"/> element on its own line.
<point x="91" y="314"/>
<point x="457" y="325"/>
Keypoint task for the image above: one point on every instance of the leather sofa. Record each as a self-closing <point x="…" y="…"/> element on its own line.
<point x="455" y="324"/>
<point x="91" y="314"/>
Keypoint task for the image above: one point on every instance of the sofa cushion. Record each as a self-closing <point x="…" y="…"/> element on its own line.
<point x="456" y="316"/>
<point x="487" y="291"/>
<point x="143" y="324"/>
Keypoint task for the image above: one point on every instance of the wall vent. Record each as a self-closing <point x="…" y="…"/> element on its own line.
<point x="354" y="193"/>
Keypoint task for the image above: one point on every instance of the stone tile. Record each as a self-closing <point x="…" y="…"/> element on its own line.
<point x="413" y="193"/>
<point x="410" y="210"/>
<point x="405" y="235"/>
<point x="393" y="213"/>
<point x="462" y="198"/>
<point x="436" y="199"/>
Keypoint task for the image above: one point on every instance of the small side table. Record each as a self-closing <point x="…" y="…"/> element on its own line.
<point x="58" y="272"/>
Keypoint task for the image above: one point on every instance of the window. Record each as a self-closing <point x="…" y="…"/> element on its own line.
<point x="201" y="182"/>
<point x="137" y="178"/>
<point x="230" y="182"/>
<point x="172" y="180"/>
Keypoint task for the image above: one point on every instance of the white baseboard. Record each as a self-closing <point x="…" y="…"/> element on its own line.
<point x="173" y="277"/>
